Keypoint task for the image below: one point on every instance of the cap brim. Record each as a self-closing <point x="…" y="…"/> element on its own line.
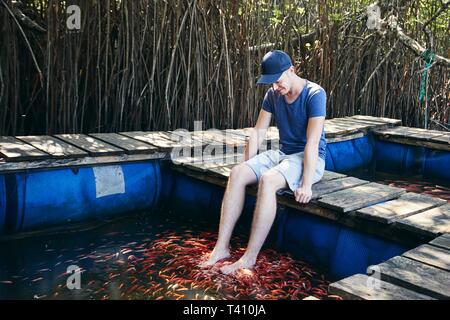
<point x="269" y="78"/>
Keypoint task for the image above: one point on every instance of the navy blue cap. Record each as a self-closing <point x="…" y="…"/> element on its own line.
<point x="273" y="65"/>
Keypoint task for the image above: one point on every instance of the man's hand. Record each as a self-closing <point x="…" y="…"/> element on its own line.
<point x="303" y="194"/>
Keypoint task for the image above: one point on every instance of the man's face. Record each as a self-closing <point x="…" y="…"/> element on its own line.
<point x="283" y="84"/>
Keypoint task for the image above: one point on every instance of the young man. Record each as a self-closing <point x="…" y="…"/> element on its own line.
<point x="299" y="107"/>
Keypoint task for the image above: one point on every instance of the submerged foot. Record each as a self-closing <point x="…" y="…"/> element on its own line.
<point x="240" y="264"/>
<point x="215" y="257"/>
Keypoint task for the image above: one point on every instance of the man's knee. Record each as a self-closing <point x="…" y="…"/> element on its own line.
<point x="271" y="181"/>
<point x="242" y="174"/>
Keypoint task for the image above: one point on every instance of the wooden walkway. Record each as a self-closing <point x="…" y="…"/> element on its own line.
<point x="388" y="212"/>
<point x="71" y="150"/>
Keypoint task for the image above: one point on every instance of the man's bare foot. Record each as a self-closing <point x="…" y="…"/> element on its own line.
<point x="214" y="257"/>
<point x="240" y="264"/>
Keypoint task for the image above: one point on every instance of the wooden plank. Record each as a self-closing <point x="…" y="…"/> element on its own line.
<point x="206" y="166"/>
<point x="215" y="141"/>
<point x="131" y="146"/>
<point x="360" y="197"/>
<point x="347" y="137"/>
<point x="13" y="150"/>
<point x="354" y="124"/>
<point x="12" y="167"/>
<point x="444" y="139"/>
<point x="431" y="255"/>
<point x="223" y="171"/>
<point x="239" y="132"/>
<point x="327" y="176"/>
<point x="415" y="276"/>
<point x="324" y="187"/>
<point x="431" y="222"/>
<point x="338" y="129"/>
<point x="410" y="133"/>
<point x="363" y="287"/>
<point x="191" y="138"/>
<point x="416" y="142"/>
<point x="93" y="146"/>
<point x="53" y="146"/>
<point x="271" y="133"/>
<point x="378" y="119"/>
<point x="223" y="158"/>
<point x="165" y="141"/>
<point x="376" y="124"/>
<point x="221" y="137"/>
<point x="442" y="241"/>
<point x="405" y="206"/>
<point x="331" y="175"/>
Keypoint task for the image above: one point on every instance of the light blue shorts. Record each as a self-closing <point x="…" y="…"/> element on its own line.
<point x="290" y="166"/>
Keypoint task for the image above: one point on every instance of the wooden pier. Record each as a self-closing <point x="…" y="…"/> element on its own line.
<point x="388" y="212"/>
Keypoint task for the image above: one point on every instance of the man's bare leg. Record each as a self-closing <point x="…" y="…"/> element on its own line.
<point x="266" y="208"/>
<point x="232" y="205"/>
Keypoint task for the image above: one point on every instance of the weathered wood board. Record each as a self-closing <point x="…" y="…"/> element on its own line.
<point x="360" y="197"/>
<point x="373" y="124"/>
<point x="221" y="138"/>
<point x="12" y="149"/>
<point x="415" y="276"/>
<point x="378" y="119"/>
<point x="431" y="222"/>
<point x="328" y="186"/>
<point x="207" y="165"/>
<point x="350" y="123"/>
<point x="131" y="146"/>
<point x="218" y="159"/>
<point x="347" y="137"/>
<point x="444" y="139"/>
<point x="165" y="141"/>
<point x="411" y="133"/>
<point x="191" y="138"/>
<point x="416" y="142"/>
<point x="432" y="139"/>
<point x="331" y="175"/>
<point x="53" y="163"/>
<point x="93" y="146"/>
<point x="407" y="205"/>
<point x="442" y="241"/>
<point x="431" y="255"/>
<point x="222" y="171"/>
<point x="53" y="146"/>
<point x="339" y="129"/>
<point x="363" y="287"/>
<point x="325" y="187"/>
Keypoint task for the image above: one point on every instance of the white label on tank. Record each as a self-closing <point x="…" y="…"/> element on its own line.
<point x="108" y="181"/>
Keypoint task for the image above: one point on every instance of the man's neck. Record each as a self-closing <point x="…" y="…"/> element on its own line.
<point x="296" y="89"/>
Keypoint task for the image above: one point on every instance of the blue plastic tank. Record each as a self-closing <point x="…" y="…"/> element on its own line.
<point x="398" y="158"/>
<point x="349" y="155"/>
<point x="437" y="165"/>
<point x="338" y="249"/>
<point x="42" y="199"/>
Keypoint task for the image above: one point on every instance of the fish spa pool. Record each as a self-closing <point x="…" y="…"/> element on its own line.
<point x="139" y="230"/>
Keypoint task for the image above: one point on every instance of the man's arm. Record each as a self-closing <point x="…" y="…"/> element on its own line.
<point x="257" y="134"/>
<point x="313" y="134"/>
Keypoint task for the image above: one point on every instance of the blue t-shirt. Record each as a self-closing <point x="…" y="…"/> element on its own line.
<point x="292" y="118"/>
